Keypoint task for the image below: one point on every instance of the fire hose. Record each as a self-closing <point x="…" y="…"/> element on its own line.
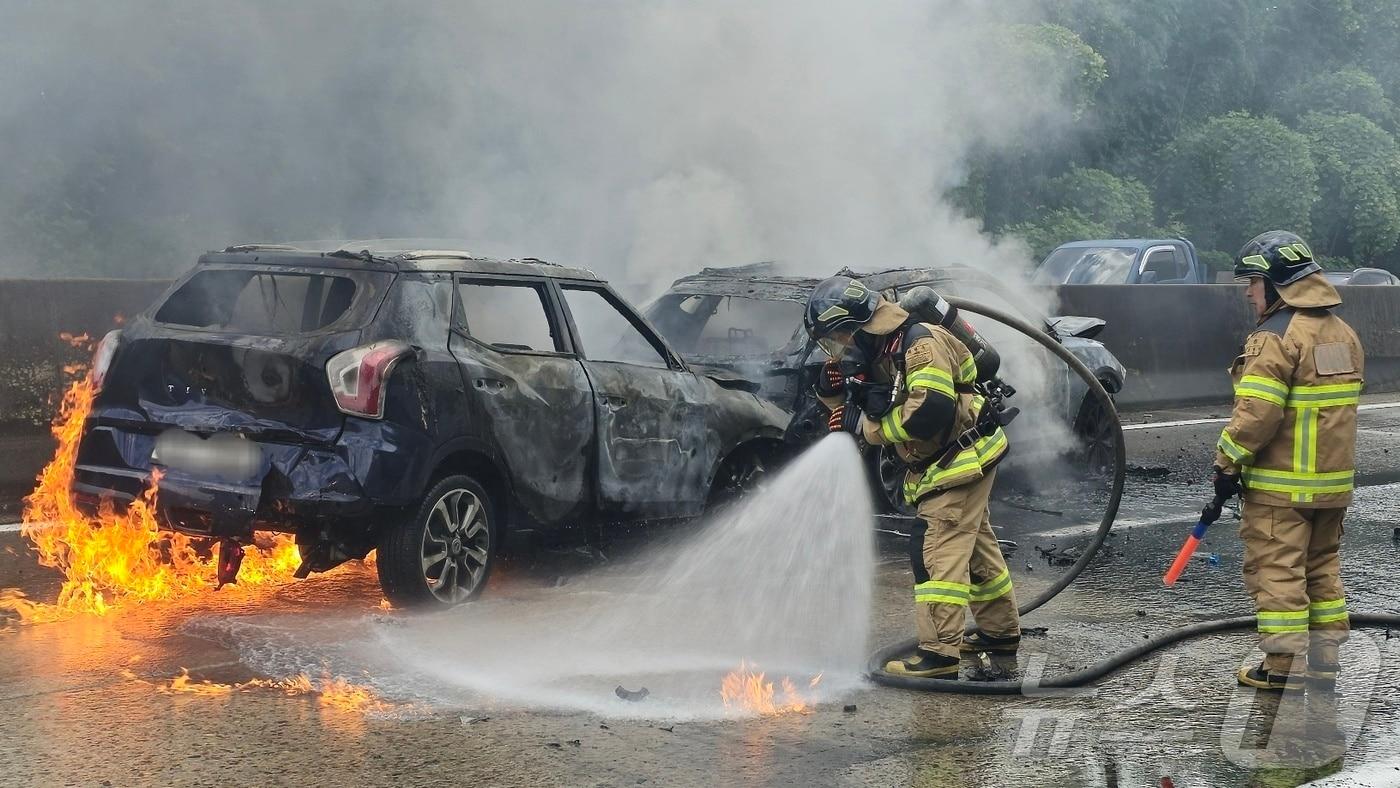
<point x="1098" y="670"/>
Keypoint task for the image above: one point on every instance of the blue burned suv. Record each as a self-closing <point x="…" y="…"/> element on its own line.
<point x="417" y="402"/>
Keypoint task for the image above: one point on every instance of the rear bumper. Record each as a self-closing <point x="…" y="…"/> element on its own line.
<point x="338" y="485"/>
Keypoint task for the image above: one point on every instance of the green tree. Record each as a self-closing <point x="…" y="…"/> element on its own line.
<point x="1086" y="203"/>
<point x="1122" y="204"/>
<point x="1057" y="50"/>
<point x="1358" y="166"/>
<point x="1350" y="90"/>
<point x="1056" y="227"/>
<point x="1237" y="175"/>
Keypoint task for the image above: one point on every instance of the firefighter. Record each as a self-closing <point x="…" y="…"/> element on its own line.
<point x="1289" y="446"/>
<point x="916" y="393"/>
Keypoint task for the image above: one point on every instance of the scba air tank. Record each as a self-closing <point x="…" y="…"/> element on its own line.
<point x="925" y="304"/>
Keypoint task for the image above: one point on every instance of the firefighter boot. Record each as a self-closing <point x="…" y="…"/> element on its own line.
<point x="1261" y="677"/>
<point x="1323" y="665"/>
<point x="924" y="664"/>
<point x="992" y="644"/>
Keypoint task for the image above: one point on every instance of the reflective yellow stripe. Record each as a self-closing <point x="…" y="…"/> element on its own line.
<point x="1327" y="612"/>
<point x="942" y="591"/>
<point x="1237" y="453"/>
<point x="1329" y="396"/>
<point x="1297" y="482"/>
<point x="1304" y="447"/>
<point x="892" y="427"/>
<point x="995" y="588"/>
<point x="1274" y="621"/>
<point x="967" y="370"/>
<point x="985" y="451"/>
<point x="932" y="378"/>
<point x="1259" y="387"/>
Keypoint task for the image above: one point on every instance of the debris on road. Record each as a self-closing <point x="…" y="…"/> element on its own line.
<point x="629" y="695"/>
<point x="849" y="708"/>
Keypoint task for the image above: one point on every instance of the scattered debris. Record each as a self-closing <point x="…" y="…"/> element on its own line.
<point x="574" y="743"/>
<point x="669" y="729"/>
<point x="629" y="695"/>
<point x="849" y="708"/>
<point x="1007" y="546"/>
<point x="1035" y="509"/>
<point x="1058" y="556"/>
<point x="473" y="720"/>
<point x="555" y="745"/>
<point x="1140" y="613"/>
<point x="1147" y="473"/>
<point x="1034" y="632"/>
<point x="604" y="726"/>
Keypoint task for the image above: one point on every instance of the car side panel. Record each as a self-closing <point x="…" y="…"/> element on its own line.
<point x="535" y="411"/>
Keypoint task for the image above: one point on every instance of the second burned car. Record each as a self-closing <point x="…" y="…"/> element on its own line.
<point x="749" y="319"/>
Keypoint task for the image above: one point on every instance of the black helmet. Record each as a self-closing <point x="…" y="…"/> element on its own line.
<point x="1277" y="256"/>
<point x="839" y="304"/>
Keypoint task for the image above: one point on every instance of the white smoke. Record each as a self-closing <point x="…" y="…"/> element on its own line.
<point x="642" y="139"/>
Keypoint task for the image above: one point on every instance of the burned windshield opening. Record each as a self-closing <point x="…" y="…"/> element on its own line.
<point x="261" y="302"/>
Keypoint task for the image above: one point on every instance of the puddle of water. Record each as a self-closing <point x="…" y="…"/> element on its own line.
<point x="782" y="584"/>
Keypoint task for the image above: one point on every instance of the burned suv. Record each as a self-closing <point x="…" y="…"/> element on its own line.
<point x="418" y="403"/>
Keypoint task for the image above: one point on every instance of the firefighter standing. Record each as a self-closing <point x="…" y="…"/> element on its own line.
<point x="1290" y="445"/>
<point x="919" y="397"/>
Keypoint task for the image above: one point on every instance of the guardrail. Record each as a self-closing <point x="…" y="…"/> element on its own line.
<point x="1177" y="341"/>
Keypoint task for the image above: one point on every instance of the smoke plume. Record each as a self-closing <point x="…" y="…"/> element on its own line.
<point x="641" y="139"/>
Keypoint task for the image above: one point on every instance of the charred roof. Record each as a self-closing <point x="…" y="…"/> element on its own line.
<point x="761" y="280"/>
<point x="390" y="255"/>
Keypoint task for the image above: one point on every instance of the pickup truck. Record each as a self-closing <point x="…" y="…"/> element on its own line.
<point x="1135" y="261"/>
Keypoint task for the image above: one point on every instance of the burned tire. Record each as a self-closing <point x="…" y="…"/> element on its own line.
<point x="1094" y="431"/>
<point x="440" y="555"/>
<point x="741" y="474"/>
<point x="889" y="472"/>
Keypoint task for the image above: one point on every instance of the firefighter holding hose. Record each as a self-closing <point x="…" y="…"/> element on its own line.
<point x="1290" y="447"/>
<point x="917" y="391"/>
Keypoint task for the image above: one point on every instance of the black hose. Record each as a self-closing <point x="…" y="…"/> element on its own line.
<point x="1079" y="678"/>
<point x="876" y="667"/>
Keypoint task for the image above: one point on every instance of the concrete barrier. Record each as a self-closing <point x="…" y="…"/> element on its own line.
<point x="47" y="326"/>
<point x="1177" y="341"/>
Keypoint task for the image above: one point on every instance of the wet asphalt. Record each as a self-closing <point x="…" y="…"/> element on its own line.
<point x="85" y="701"/>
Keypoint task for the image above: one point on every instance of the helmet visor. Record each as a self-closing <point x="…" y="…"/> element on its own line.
<point x="833" y="349"/>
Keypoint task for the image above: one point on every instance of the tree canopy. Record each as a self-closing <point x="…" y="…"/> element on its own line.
<point x="1235" y="116"/>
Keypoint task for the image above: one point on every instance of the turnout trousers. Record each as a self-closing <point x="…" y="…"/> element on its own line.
<point x="1292" y="570"/>
<point x="958" y="564"/>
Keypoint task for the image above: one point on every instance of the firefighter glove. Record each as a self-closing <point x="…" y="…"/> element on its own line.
<point x="831" y="381"/>
<point x="1227" y="485"/>
<point x="837" y="418"/>
<point x="874" y="399"/>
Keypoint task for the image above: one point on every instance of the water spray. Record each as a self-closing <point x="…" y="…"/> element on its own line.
<point x="875" y="667"/>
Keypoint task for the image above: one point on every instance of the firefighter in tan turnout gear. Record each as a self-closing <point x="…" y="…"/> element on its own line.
<point x="916" y="393"/>
<point x="1290" y="445"/>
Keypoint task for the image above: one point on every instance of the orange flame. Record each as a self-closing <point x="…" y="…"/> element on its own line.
<point x="331" y="692"/>
<point x="111" y="559"/>
<point x="748" y="691"/>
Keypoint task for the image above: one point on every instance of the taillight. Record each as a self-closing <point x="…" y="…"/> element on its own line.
<point x="102" y="357"/>
<point x="359" y="377"/>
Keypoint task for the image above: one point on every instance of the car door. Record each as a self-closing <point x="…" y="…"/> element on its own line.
<point x="655" y="453"/>
<point x="527" y="396"/>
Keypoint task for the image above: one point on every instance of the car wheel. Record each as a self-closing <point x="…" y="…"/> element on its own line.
<point x="1094" y="430"/>
<point x="442" y="554"/>
<point x="889" y="473"/>
<point x="740" y="475"/>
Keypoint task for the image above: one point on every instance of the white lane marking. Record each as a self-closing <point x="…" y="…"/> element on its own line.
<point x="1191" y="422"/>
